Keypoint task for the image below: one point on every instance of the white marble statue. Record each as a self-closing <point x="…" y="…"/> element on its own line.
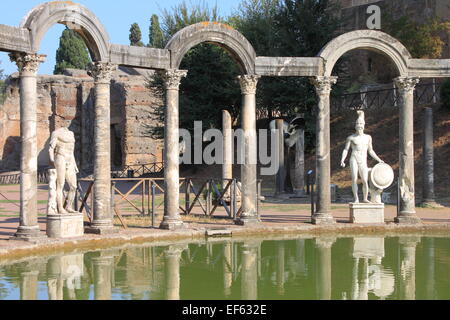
<point x="361" y="145"/>
<point x="61" y="152"/>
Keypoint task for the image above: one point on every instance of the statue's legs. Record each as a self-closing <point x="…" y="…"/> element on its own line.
<point x="71" y="179"/>
<point x="60" y="165"/>
<point x="364" y="174"/>
<point x="354" y="169"/>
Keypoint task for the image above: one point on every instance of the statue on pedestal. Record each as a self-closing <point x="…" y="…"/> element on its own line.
<point x="62" y="159"/>
<point x="361" y="145"/>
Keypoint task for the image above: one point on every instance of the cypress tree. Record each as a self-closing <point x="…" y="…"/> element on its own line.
<point x="72" y="52"/>
<point x="155" y="33"/>
<point x="135" y="36"/>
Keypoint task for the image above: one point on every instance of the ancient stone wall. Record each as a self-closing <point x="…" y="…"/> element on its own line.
<point x="68" y="100"/>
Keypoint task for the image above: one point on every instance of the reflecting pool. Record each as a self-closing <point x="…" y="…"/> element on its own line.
<point x="359" y="268"/>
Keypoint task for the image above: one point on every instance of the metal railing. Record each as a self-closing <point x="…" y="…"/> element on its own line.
<point x="14" y="178"/>
<point x="128" y="172"/>
<point x="144" y="197"/>
<point x="139" y="170"/>
<point x="427" y="93"/>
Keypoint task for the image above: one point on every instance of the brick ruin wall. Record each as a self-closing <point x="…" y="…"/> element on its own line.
<point x="68" y="100"/>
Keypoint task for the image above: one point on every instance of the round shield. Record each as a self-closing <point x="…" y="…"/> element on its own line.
<point x="382" y="176"/>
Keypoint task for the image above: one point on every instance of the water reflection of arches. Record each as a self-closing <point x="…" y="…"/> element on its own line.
<point x="351" y="268"/>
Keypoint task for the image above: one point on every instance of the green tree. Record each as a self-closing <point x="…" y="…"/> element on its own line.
<point x="288" y="28"/>
<point x="182" y="15"/>
<point x="211" y="84"/>
<point x="156" y="37"/>
<point x="72" y="52"/>
<point x="423" y="40"/>
<point x="136" y="35"/>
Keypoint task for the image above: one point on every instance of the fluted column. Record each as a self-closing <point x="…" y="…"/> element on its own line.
<point x="323" y="166"/>
<point x="407" y="210"/>
<point x="172" y="219"/>
<point x="249" y="214"/>
<point x="103" y="217"/>
<point x="28" y="65"/>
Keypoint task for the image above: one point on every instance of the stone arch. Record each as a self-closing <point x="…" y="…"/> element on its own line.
<point x="75" y="17"/>
<point x="213" y="32"/>
<point x="369" y="40"/>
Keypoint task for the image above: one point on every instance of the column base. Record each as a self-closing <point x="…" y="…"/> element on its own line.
<point x="322" y="219"/>
<point x="172" y="225"/>
<point x="247" y="221"/>
<point x="101" y="230"/>
<point x="408" y="219"/>
<point x="29" y="234"/>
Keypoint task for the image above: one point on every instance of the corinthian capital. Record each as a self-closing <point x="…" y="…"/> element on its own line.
<point x="172" y="78"/>
<point x="27" y="63"/>
<point x="248" y="83"/>
<point x="102" y="71"/>
<point x="323" y="84"/>
<point x="406" y="83"/>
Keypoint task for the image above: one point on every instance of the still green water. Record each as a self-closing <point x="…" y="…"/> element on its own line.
<point x="298" y="269"/>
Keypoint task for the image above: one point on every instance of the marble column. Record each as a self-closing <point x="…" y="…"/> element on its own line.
<point x="407" y="210"/>
<point x="249" y="214"/>
<point x="172" y="274"/>
<point x="249" y="278"/>
<point x="103" y="266"/>
<point x="227" y="166"/>
<point x="408" y="247"/>
<point x="281" y="175"/>
<point x="280" y="268"/>
<point x="29" y="285"/>
<point x="227" y="268"/>
<point x="430" y="258"/>
<point x="323" y="165"/>
<point x="55" y="282"/>
<point x="428" y="196"/>
<point x="172" y="219"/>
<point x="298" y="175"/>
<point x="103" y="217"/>
<point x="324" y="268"/>
<point x="28" y="65"/>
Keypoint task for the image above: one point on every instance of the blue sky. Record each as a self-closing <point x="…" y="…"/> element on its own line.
<point x="116" y="16"/>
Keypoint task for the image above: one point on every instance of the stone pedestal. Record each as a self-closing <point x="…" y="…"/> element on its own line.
<point x="65" y="225"/>
<point x="367" y="213"/>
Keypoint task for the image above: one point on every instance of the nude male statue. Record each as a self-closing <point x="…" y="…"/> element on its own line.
<point x="361" y="144"/>
<point x="62" y="145"/>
